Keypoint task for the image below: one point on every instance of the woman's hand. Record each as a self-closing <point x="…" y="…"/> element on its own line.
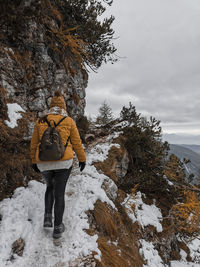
<point x="82" y="165"/>
<point x="35" y="167"/>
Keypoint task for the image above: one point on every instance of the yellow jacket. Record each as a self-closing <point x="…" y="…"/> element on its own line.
<point x="66" y="128"/>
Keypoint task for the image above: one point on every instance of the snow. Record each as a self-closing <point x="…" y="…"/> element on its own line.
<point x="168" y="181"/>
<point x="22" y="216"/>
<point x="153" y="259"/>
<point x="13" y="114"/>
<point x="142" y="212"/>
<point x="183" y="264"/>
<point x="194" y="247"/>
<point x="100" y="152"/>
<point x="114" y="135"/>
<point x="150" y="215"/>
<point x="183" y="254"/>
<point x="150" y="254"/>
<point x="123" y="124"/>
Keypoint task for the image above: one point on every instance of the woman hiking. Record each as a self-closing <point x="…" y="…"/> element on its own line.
<point x="55" y="169"/>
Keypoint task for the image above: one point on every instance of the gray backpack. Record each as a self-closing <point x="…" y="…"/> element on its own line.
<point x="51" y="146"/>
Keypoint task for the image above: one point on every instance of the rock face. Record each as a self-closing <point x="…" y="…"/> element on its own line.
<point x="122" y="165"/>
<point x="31" y="70"/>
<point x="115" y="167"/>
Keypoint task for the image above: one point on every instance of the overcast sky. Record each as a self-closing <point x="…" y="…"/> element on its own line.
<point x="159" y="72"/>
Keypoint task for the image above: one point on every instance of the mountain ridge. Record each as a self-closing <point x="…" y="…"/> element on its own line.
<point x="179" y="139"/>
<point x="182" y="152"/>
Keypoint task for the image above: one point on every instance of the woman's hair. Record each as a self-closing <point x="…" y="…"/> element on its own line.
<point x="43" y="119"/>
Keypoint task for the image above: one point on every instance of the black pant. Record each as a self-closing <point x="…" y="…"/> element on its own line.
<point x="56" y="181"/>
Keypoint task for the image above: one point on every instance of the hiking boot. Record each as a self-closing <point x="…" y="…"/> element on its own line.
<point x="58" y="230"/>
<point x="47" y="220"/>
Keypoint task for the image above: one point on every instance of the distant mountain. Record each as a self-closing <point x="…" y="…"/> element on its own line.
<point x="195" y="148"/>
<point x="185" y="152"/>
<point x="182" y="139"/>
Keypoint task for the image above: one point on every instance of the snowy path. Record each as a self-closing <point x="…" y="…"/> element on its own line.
<point x="22" y="216"/>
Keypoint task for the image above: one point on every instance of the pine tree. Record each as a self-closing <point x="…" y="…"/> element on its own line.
<point x="105" y="114"/>
<point x="174" y="169"/>
<point x="147" y="152"/>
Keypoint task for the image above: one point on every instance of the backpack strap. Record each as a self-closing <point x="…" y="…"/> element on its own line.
<point x="45" y="120"/>
<point x="67" y="142"/>
<point x="59" y="122"/>
<point x="55" y="124"/>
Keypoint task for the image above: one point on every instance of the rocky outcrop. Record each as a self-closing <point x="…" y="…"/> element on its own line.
<point x="116" y="165"/>
<point x="18" y="247"/>
<point x="31" y="73"/>
<point x="122" y="237"/>
<point x="31" y="69"/>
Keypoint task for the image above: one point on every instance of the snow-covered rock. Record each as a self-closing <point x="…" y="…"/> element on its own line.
<point x="142" y="213"/>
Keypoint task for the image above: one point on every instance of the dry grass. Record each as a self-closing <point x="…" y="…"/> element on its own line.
<point x="3" y="106"/>
<point x="112" y="226"/>
<point x="111" y="256"/>
<point x="106" y="220"/>
<point x="15" y="163"/>
<point x="115" y="225"/>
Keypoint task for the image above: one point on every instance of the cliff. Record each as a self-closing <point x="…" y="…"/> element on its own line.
<point x="42" y="48"/>
<point x="45" y="45"/>
<point x="32" y="68"/>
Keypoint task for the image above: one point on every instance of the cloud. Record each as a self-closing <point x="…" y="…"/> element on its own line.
<point x="159" y="72"/>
